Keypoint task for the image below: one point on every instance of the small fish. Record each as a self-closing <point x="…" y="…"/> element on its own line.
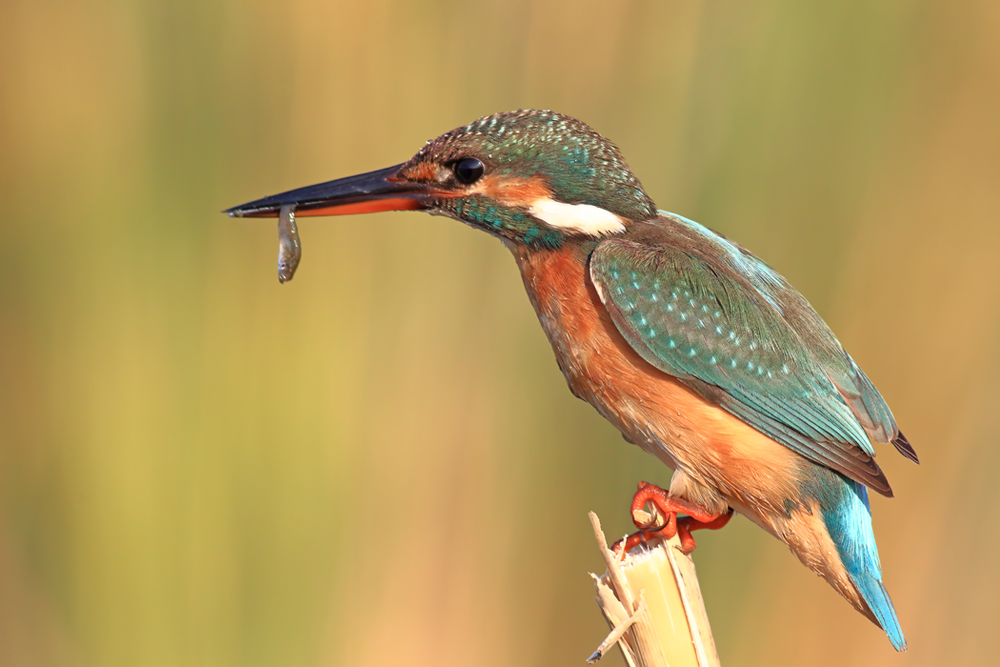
<point x="289" y="245"/>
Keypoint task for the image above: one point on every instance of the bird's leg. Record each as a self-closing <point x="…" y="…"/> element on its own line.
<point x="667" y="506"/>
<point x="686" y="524"/>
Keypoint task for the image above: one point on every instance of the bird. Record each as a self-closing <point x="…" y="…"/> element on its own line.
<point x="692" y="347"/>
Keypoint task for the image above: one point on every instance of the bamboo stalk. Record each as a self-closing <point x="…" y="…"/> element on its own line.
<point x="651" y="599"/>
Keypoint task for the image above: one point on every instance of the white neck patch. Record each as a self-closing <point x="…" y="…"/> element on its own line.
<point x="583" y="218"/>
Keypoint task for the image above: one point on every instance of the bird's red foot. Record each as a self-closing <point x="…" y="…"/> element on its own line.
<point x="666" y="506"/>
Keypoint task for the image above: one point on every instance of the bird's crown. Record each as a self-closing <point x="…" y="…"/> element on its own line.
<point x="540" y="164"/>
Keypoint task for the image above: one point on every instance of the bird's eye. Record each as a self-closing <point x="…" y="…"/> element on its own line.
<point x="469" y="170"/>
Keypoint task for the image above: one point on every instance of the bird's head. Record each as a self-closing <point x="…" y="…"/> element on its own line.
<point x="531" y="177"/>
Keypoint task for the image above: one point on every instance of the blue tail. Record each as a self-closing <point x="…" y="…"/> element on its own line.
<point x="848" y="518"/>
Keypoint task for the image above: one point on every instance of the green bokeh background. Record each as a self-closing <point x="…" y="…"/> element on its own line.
<point x="379" y="463"/>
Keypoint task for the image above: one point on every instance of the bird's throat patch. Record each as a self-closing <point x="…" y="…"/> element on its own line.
<point x="582" y="218"/>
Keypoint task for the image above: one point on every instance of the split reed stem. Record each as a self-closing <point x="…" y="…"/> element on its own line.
<point x="652" y="601"/>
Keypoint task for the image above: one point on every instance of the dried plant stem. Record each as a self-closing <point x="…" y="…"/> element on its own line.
<point x="652" y="601"/>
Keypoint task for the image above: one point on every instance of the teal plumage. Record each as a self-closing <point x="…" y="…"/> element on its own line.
<point x="731" y="328"/>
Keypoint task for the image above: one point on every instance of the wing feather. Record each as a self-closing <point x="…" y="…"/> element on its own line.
<point x="739" y="346"/>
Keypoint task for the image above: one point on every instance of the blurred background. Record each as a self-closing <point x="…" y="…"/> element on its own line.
<point x="380" y="462"/>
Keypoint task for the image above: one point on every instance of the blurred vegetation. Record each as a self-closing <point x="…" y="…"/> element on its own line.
<point x="379" y="463"/>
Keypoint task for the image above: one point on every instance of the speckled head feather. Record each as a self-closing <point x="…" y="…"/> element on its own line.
<point x="539" y="166"/>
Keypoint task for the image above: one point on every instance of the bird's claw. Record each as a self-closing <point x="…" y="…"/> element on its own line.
<point x="666" y="506"/>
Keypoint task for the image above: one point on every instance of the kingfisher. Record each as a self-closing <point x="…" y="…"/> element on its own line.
<point x="696" y="350"/>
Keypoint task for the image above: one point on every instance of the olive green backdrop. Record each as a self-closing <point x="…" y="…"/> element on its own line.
<point x="380" y="463"/>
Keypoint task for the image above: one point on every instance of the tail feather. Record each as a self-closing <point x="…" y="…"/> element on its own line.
<point x="848" y="519"/>
<point x="880" y="603"/>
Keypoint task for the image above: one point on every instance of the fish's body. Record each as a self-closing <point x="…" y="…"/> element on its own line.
<point x="697" y="351"/>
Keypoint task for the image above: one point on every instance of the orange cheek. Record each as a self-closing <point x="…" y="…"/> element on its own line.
<point x="513" y="191"/>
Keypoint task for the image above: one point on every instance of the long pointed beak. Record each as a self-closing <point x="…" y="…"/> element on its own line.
<point x="365" y="193"/>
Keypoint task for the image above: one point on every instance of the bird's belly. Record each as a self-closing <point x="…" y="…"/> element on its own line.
<point x="723" y="459"/>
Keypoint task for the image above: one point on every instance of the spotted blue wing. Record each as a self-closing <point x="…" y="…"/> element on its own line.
<point x="711" y="328"/>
